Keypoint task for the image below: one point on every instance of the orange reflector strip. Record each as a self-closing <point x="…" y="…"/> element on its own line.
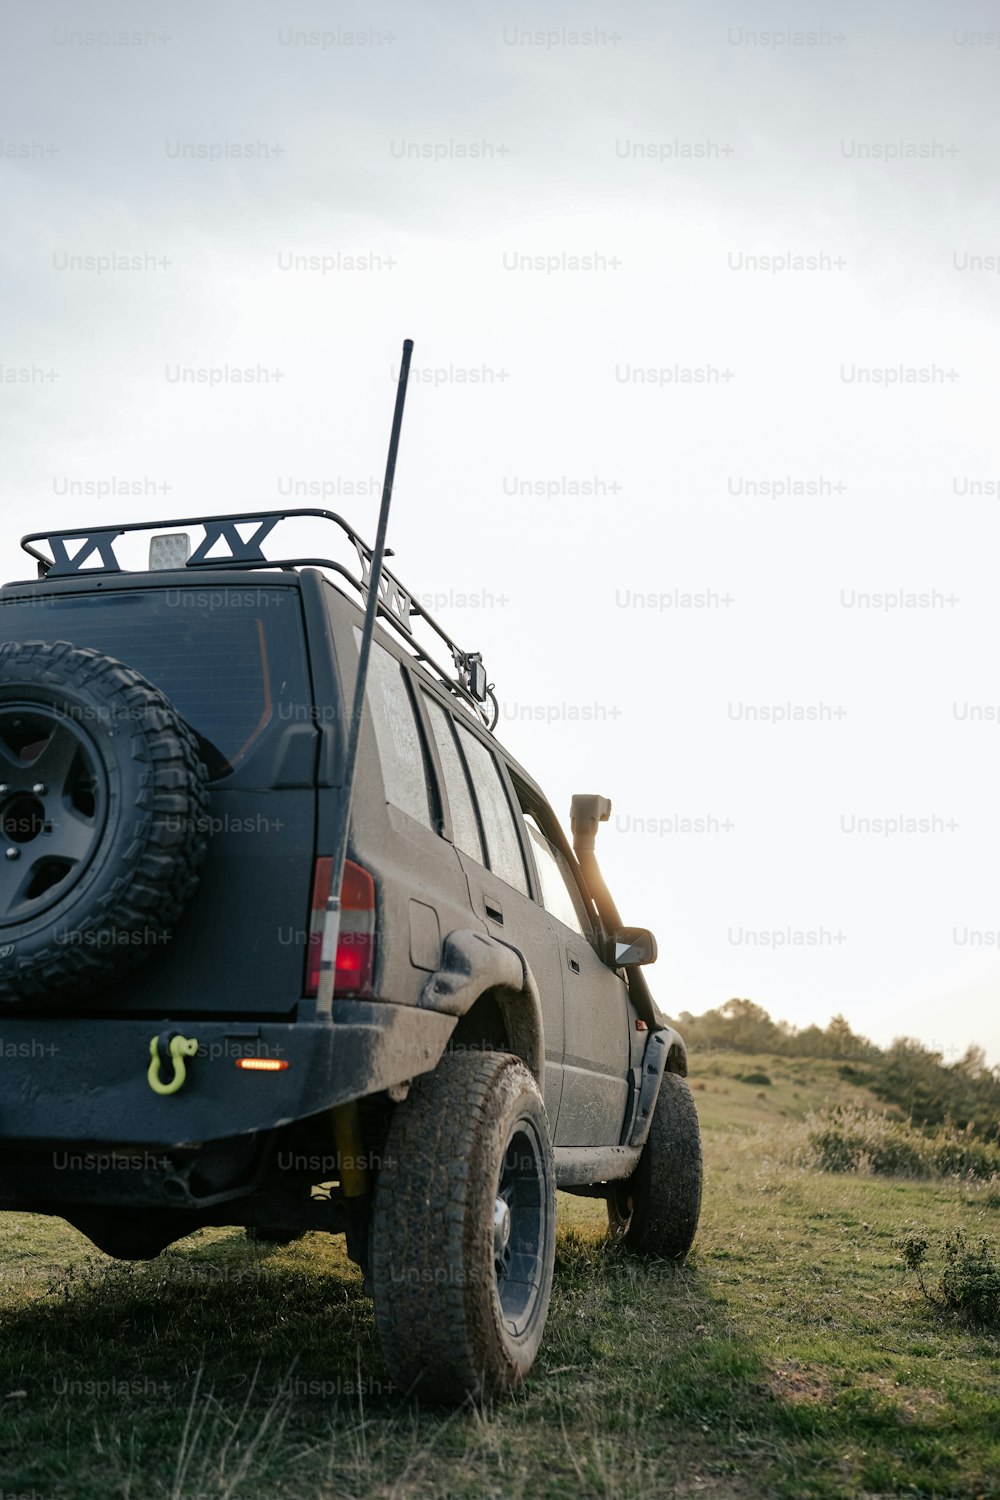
<point x="261" y="1064"/>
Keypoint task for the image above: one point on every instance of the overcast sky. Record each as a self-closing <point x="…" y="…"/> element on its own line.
<point x="705" y="305"/>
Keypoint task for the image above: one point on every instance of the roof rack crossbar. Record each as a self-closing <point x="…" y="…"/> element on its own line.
<point x="397" y="606"/>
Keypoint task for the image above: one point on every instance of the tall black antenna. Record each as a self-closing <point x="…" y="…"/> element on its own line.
<point x="331" y="924"/>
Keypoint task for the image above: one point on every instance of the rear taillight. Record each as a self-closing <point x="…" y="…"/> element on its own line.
<point x="355" y="968"/>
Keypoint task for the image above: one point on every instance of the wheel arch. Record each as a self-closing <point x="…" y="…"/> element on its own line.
<point x="483" y="981"/>
<point x="665" y="1053"/>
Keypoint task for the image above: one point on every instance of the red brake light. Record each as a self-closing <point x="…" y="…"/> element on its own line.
<point x="355" y="967"/>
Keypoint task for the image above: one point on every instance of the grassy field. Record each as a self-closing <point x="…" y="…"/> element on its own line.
<point x="792" y="1356"/>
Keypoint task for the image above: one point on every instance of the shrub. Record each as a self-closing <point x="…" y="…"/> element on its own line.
<point x="963" y="1157"/>
<point x="858" y="1140"/>
<point x="969" y="1285"/>
<point x="970" y="1282"/>
<point x="758" y="1078"/>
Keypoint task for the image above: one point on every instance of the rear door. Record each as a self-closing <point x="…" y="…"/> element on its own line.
<point x="398" y="824"/>
<point x="597" y="1046"/>
<point x="231" y="658"/>
<point x="489" y="846"/>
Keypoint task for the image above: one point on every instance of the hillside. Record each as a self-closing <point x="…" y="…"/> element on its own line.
<point x="731" y="1094"/>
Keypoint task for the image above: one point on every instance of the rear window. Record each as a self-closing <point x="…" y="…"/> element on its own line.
<point x="465" y="829"/>
<point x="231" y="660"/>
<point x="404" y="773"/>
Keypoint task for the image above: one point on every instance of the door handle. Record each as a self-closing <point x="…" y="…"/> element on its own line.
<point x="574" y="963"/>
<point x="493" y="910"/>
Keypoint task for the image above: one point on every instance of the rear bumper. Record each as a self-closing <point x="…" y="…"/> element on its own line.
<point x="85" y="1081"/>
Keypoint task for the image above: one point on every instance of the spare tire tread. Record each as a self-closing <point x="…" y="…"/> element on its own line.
<point x="159" y="867"/>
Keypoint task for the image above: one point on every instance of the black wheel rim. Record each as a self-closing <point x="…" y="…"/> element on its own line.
<point x="620" y="1208"/>
<point x="520" y="1228"/>
<point x="53" y="807"/>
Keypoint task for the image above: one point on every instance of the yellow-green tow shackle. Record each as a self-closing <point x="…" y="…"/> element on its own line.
<point x="180" y="1047"/>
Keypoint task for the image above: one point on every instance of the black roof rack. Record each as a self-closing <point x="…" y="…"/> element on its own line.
<point x="397" y="606"/>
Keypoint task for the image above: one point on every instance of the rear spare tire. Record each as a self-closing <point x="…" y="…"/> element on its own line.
<point x="102" y="820"/>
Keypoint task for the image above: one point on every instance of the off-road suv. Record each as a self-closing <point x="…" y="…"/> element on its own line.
<point x="172" y="763"/>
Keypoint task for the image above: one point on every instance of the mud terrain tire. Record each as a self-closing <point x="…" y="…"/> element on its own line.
<point x="464" y="1230"/>
<point x="102" y="820"/>
<point x="655" y="1211"/>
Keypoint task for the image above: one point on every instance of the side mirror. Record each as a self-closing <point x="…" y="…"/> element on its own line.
<point x="632" y="945"/>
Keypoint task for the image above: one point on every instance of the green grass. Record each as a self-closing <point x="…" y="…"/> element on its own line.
<point x="792" y="1357"/>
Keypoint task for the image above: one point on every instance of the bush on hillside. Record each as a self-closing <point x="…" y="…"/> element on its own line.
<point x="742" y="1026"/>
<point x="859" y="1140"/>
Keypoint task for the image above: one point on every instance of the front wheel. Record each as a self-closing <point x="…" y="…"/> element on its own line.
<point x="655" y="1211"/>
<point x="464" y="1230"/>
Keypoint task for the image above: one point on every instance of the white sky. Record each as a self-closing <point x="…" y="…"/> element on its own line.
<point x="798" y="178"/>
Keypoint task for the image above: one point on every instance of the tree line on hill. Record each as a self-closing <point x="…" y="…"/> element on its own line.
<point x="907" y="1074"/>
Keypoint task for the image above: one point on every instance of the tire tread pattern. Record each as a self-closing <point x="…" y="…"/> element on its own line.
<point x="432" y="1260"/>
<point x="668" y="1180"/>
<point x="159" y="866"/>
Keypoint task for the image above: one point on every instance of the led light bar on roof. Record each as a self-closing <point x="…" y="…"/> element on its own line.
<point x="171" y="550"/>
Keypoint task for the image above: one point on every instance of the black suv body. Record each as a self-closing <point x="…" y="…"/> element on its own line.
<point x="172" y="762"/>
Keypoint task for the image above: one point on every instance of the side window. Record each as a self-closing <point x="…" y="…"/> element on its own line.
<point x="560" y="894"/>
<point x="404" y="771"/>
<point x="502" y="846"/>
<point x="465" y="826"/>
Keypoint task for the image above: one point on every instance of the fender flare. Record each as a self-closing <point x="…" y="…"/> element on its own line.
<point x="474" y="962"/>
<point x="665" y="1053"/>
